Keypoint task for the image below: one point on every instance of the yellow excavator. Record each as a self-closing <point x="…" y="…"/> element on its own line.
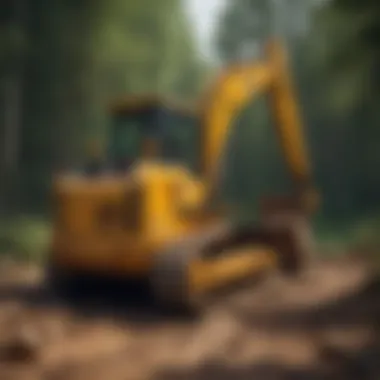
<point x="142" y="213"/>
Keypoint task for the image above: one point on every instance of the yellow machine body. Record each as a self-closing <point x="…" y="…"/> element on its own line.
<point x="116" y="224"/>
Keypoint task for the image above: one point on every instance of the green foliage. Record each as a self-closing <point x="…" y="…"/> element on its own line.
<point x="356" y="235"/>
<point x="348" y="59"/>
<point x="347" y="46"/>
<point x="242" y="23"/>
<point x="13" y="44"/>
<point x="69" y="59"/>
<point x="144" y="47"/>
<point x="24" y="238"/>
<point x="345" y="58"/>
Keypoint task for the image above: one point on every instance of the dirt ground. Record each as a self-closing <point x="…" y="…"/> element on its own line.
<point x="321" y="326"/>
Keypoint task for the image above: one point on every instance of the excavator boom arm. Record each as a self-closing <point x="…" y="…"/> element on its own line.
<point x="287" y="117"/>
<point x="235" y="88"/>
<point x="232" y="91"/>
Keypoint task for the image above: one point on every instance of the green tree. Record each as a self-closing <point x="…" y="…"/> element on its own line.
<point x="79" y="56"/>
<point x="346" y="56"/>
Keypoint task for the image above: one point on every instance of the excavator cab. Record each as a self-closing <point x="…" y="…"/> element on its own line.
<point x="150" y="128"/>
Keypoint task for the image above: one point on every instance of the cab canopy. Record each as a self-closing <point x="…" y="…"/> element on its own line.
<point x="138" y="103"/>
<point x="166" y="127"/>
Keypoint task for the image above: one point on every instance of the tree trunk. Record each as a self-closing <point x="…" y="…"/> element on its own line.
<point x="12" y="92"/>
